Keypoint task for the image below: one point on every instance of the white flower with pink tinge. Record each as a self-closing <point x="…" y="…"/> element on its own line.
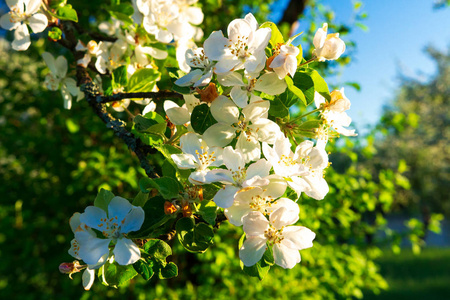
<point x="327" y="46"/>
<point x="23" y="12"/>
<point x="121" y="218"/>
<point x="286" y="240"/>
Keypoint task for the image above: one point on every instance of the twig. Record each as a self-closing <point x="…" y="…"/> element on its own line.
<point x="152" y="95"/>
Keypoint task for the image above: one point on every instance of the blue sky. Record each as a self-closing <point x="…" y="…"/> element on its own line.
<point x="398" y="33"/>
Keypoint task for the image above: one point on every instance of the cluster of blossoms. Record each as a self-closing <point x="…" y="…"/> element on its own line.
<point x="244" y="149"/>
<point x="259" y="166"/>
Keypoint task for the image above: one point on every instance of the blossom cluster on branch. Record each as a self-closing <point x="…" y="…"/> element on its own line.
<point x="220" y="117"/>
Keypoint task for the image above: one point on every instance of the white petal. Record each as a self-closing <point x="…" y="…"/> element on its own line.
<point x="118" y="208"/>
<point x="233" y="159"/>
<point x="214" y="45"/>
<point x="191" y="144"/>
<point x="205" y="79"/>
<point x="177" y="115"/>
<point x="71" y="85"/>
<point x="92" y="249"/>
<point x="38" y="22"/>
<point x="232" y="79"/>
<point x="50" y="62"/>
<point x="126" y="252"/>
<point x="92" y="217"/>
<point x="260" y="168"/>
<point x="239" y="28"/>
<point x="219" y="135"/>
<point x="252" y="250"/>
<point x="225" y="197"/>
<point x="250" y="148"/>
<point x="32" y="6"/>
<point x="220" y="175"/>
<point x="6" y="23"/>
<point x="267" y="130"/>
<point x="190" y="78"/>
<point x="67" y="97"/>
<point x="195" y="15"/>
<point x="133" y="220"/>
<point x="164" y="36"/>
<point x="239" y="96"/>
<point x="88" y="278"/>
<point x="261" y="39"/>
<point x="74" y="221"/>
<point x="21" y="38"/>
<point x="276" y="187"/>
<point x="154" y="52"/>
<point x="269" y="83"/>
<point x="286" y="203"/>
<point x="184" y="161"/>
<point x="255" y="224"/>
<point x="285" y="257"/>
<point x="61" y="66"/>
<point x="256" y="110"/>
<point x="298" y="237"/>
<point x="224" y="110"/>
<point x="282" y="217"/>
<point x="237" y="211"/>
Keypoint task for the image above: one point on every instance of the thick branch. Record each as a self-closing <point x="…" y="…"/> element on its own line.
<point x="293" y="11"/>
<point x="152" y="95"/>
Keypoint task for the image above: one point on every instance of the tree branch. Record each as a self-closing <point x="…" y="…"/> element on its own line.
<point x="153" y="95"/>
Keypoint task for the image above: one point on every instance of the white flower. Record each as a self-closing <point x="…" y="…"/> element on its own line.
<point x="286" y="61"/>
<point x="261" y="198"/>
<point x="181" y="115"/>
<point x="89" y="273"/>
<point x="109" y="55"/>
<point x="23" y="12"/>
<point x="141" y="51"/>
<point x="244" y="47"/>
<point x="57" y="79"/>
<point x="241" y="92"/>
<point x="237" y="176"/>
<point x="303" y="169"/>
<point x="328" y="47"/>
<point x="111" y="28"/>
<point x="197" y="155"/>
<point x="91" y="49"/>
<point x="287" y="241"/>
<point x="202" y="73"/>
<point x="252" y="125"/>
<point x="121" y="218"/>
<point x="334" y="111"/>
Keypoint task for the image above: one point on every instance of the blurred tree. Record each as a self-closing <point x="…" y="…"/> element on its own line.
<point x="416" y="133"/>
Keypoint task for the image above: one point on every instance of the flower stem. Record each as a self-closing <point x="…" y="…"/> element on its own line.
<point x="308" y="61"/>
<point x="307" y="114"/>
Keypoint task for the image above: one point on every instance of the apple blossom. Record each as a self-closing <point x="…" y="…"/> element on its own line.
<point x="195" y="58"/>
<point x="286" y="61"/>
<point x="57" y="78"/>
<point x="121" y="218"/>
<point x="181" y="115"/>
<point x="243" y="49"/>
<point x="286" y="241"/>
<point x="333" y="112"/>
<point x="237" y="176"/>
<point x="327" y="47"/>
<point x="23" y="12"/>
<point x="197" y="155"/>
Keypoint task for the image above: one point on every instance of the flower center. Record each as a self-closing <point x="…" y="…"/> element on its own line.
<point x="16" y="15"/>
<point x="111" y="227"/>
<point x="204" y="158"/>
<point x="288" y="161"/>
<point x="52" y="82"/>
<point x="239" y="175"/>
<point x="240" y="47"/>
<point x="274" y="236"/>
<point x="260" y="204"/>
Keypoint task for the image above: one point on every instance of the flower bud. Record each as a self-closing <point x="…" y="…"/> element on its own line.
<point x="328" y="47"/>
<point x="70" y="268"/>
<point x="208" y="94"/>
<point x="169" y="208"/>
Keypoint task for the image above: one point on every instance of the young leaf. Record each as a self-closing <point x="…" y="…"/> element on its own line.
<point x="304" y="82"/>
<point x="116" y="275"/>
<point x="168" y="187"/>
<point x="169" y="271"/>
<point x="194" y="238"/>
<point x="103" y="198"/>
<point x="120" y="77"/>
<point x="262" y="267"/>
<point x="208" y="210"/>
<point x="140" y="199"/>
<point x="143" y="80"/>
<point x="201" y="118"/>
<point x="67" y="13"/>
<point x="295" y="90"/>
<point x="55" y="33"/>
<point x="158" y="250"/>
<point x="276" y="36"/>
<point x="144" y="268"/>
<point x="320" y="85"/>
<point x="279" y="107"/>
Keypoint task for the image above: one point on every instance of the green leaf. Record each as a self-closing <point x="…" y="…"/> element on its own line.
<point x="67" y="13"/>
<point x="194" y="238"/>
<point x="305" y="83"/>
<point x="310" y="124"/>
<point x="174" y="74"/>
<point x="144" y="268"/>
<point x="166" y="186"/>
<point x="167" y="151"/>
<point x="158" y="250"/>
<point x="127" y="20"/>
<point x="169" y="271"/>
<point x="201" y="118"/>
<point x="54" y="4"/>
<point x="120" y="77"/>
<point x="116" y="275"/>
<point x="55" y="33"/>
<point x="354" y="85"/>
<point x="295" y="90"/>
<point x="279" y="107"/>
<point x="320" y="85"/>
<point x="103" y="198"/>
<point x="208" y="210"/>
<point x="276" y="36"/>
<point x="155" y="218"/>
<point x="143" y="80"/>
<point x="124" y="8"/>
<point x="140" y="199"/>
<point x="152" y="123"/>
<point x="261" y="268"/>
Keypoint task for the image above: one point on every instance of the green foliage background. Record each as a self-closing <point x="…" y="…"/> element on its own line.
<point x="53" y="161"/>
